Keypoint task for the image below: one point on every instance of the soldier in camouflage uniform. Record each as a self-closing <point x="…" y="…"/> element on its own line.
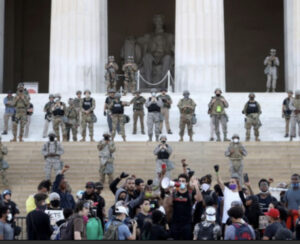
<point x="3" y="164"/>
<point x="138" y="111"/>
<point x="217" y="107"/>
<point x="77" y="103"/>
<point x="52" y="151"/>
<point x="236" y="153"/>
<point x="21" y="103"/>
<point x="187" y="109"/>
<point x="117" y="115"/>
<point x="88" y="106"/>
<point x="252" y="110"/>
<point x="286" y="112"/>
<point x="167" y="101"/>
<point x="130" y="69"/>
<point x="294" y="106"/>
<point x="58" y="112"/>
<point x="72" y="121"/>
<point x="154" y="105"/>
<point x="48" y="115"/>
<point x="106" y="149"/>
<point x="111" y="73"/>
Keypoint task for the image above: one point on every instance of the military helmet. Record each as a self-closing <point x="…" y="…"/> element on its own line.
<point x="78" y="92"/>
<point x="51" y="96"/>
<point x="56" y="99"/>
<point x="137" y="92"/>
<point x="290" y="92"/>
<point x="118" y="95"/>
<point x="20" y="85"/>
<point x="235" y="136"/>
<point x="251" y="94"/>
<point x="163" y="137"/>
<point x="218" y="89"/>
<point x="111" y="91"/>
<point x="51" y="134"/>
<point x="71" y="100"/>
<point x="153" y="90"/>
<point x="106" y="133"/>
<point x="164" y="90"/>
<point x="57" y="95"/>
<point x="186" y="92"/>
<point x="297" y="92"/>
<point x="87" y="91"/>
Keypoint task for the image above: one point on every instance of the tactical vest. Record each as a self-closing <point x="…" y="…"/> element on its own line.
<point x="71" y="113"/>
<point x="153" y="107"/>
<point x="296" y="103"/>
<point x="237" y="148"/>
<point x="117" y="108"/>
<point x="76" y="102"/>
<point x="138" y="106"/>
<point x="163" y="154"/>
<point x="59" y="111"/>
<point x="218" y="107"/>
<point x="164" y="100"/>
<point x="87" y="104"/>
<point x="252" y="108"/>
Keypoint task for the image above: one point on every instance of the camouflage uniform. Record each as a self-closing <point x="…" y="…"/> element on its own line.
<point x="48" y="116"/>
<point x="106" y="158"/>
<point x="187" y="109"/>
<point x="87" y="107"/>
<point x="111" y="73"/>
<point x="286" y="112"/>
<point x="138" y="112"/>
<point x="59" y="111"/>
<point x="3" y="164"/>
<point x="52" y="150"/>
<point x="236" y="153"/>
<point x="294" y="106"/>
<point x="252" y="110"/>
<point x="77" y="102"/>
<point x="9" y="111"/>
<point x="130" y="69"/>
<point x="217" y="107"/>
<point x="167" y="101"/>
<point x="72" y="117"/>
<point x="21" y="103"/>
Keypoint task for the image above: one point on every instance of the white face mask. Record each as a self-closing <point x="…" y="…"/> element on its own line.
<point x="236" y="140"/>
<point x="153" y="94"/>
<point x="205" y="187"/>
<point x="9" y="217"/>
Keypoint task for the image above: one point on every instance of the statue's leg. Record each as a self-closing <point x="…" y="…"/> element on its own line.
<point x="147" y="65"/>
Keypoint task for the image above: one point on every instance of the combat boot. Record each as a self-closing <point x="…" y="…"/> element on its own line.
<point x="211" y="139"/>
<point x="191" y="138"/>
<point x="150" y="138"/>
<point x="65" y="138"/>
<point x="257" y="138"/>
<point x="286" y="135"/>
<point x="170" y="132"/>
<point x="181" y="138"/>
<point x="218" y="138"/>
<point x="225" y="137"/>
<point x="58" y="138"/>
<point x="124" y="138"/>
<point x="143" y="133"/>
<point x="92" y="139"/>
<point x="248" y="138"/>
<point x="83" y="139"/>
<point x="291" y="138"/>
<point x="134" y="133"/>
<point x="21" y="139"/>
<point x="14" y="139"/>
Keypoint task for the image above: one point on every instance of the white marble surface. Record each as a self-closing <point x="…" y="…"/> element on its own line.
<point x="200" y="48"/>
<point x="2" y="15"/>
<point x="78" y="46"/>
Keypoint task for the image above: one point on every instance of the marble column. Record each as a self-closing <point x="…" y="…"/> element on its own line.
<point x="2" y="21"/>
<point x="292" y="44"/>
<point x="78" y="45"/>
<point x="200" y="47"/>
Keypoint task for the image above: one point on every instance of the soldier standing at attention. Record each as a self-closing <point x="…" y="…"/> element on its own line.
<point x="58" y="111"/>
<point x="9" y="111"/>
<point x="252" y="110"/>
<point x="154" y="105"/>
<point x="130" y="69"/>
<point x="21" y="103"/>
<point x="286" y="112"/>
<point x="138" y="111"/>
<point x="167" y="102"/>
<point x="217" y="107"/>
<point x="77" y="103"/>
<point x="87" y="109"/>
<point x="48" y="115"/>
<point x="111" y="73"/>
<point x="52" y="151"/>
<point x="72" y="121"/>
<point x="295" y="117"/>
<point x="187" y="109"/>
<point x="106" y="149"/>
<point x="3" y="164"/>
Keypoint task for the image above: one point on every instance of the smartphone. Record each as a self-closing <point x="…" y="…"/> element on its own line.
<point x="246" y="178"/>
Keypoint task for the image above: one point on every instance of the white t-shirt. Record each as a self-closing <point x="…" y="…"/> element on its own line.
<point x="229" y="197"/>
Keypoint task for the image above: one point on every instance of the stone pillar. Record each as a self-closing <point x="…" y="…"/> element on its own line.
<point x="2" y="18"/>
<point x="200" y="47"/>
<point x="292" y="44"/>
<point x="78" y="46"/>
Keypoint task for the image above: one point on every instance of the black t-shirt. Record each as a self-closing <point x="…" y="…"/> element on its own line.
<point x="210" y="194"/>
<point x="13" y="209"/>
<point x="182" y="208"/>
<point x="264" y="203"/>
<point x="272" y="229"/>
<point x="140" y="219"/>
<point x="158" y="232"/>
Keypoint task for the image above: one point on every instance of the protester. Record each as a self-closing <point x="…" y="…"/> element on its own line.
<point x="6" y="231"/>
<point x="264" y="197"/>
<point x="274" y="224"/>
<point x="43" y="187"/>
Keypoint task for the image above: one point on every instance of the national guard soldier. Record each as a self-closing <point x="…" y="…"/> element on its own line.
<point x="154" y="105"/>
<point x="111" y="73"/>
<point x="167" y="102"/>
<point x="138" y="111"/>
<point x="48" y="114"/>
<point x="77" y="103"/>
<point x="72" y="120"/>
<point x="295" y="117"/>
<point x="87" y="109"/>
<point x="58" y="112"/>
<point x="187" y="109"/>
<point x="252" y="110"/>
<point x="25" y="91"/>
<point x="286" y="112"/>
<point x="3" y="164"/>
<point x="52" y="151"/>
<point x="217" y="107"/>
<point x="106" y="149"/>
<point x="21" y="103"/>
<point x="107" y="112"/>
<point x="236" y="153"/>
<point x="271" y="62"/>
<point x="117" y="115"/>
<point x="130" y="69"/>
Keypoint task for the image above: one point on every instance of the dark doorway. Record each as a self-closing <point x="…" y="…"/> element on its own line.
<point x="134" y="18"/>
<point x="252" y="28"/>
<point x="27" y="43"/>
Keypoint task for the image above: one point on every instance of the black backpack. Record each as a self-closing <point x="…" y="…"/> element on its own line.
<point x="67" y="230"/>
<point x="205" y="232"/>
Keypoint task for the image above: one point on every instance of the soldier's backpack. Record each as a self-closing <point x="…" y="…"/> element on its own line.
<point x="205" y="232"/>
<point x="242" y="232"/>
<point x="112" y="232"/>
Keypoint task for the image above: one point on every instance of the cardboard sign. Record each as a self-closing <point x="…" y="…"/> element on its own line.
<point x="32" y="87"/>
<point x="263" y="222"/>
<point x="55" y="215"/>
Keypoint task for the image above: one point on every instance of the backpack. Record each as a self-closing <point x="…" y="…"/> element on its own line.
<point x="56" y="233"/>
<point x="242" y="232"/>
<point x="205" y="232"/>
<point x="94" y="229"/>
<point x="112" y="232"/>
<point x="67" y="230"/>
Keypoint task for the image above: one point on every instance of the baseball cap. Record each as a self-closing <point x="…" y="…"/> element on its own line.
<point x="274" y="213"/>
<point x="90" y="184"/>
<point x="210" y="214"/>
<point x="121" y="209"/>
<point x="54" y="196"/>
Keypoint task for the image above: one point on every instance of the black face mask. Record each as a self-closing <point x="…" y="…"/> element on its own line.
<point x="218" y="95"/>
<point x="55" y="203"/>
<point x="43" y="208"/>
<point x="251" y="98"/>
<point x="21" y="90"/>
<point x="51" y="138"/>
<point x="106" y="138"/>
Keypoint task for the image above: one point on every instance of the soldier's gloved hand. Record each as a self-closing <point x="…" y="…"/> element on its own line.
<point x="104" y="113"/>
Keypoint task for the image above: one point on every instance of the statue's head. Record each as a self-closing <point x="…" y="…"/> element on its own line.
<point x="111" y="59"/>
<point x="158" y="20"/>
<point x="273" y="52"/>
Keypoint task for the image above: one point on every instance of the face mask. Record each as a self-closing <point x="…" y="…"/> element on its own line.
<point x="153" y="94"/>
<point x="106" y="138"/>
<point x="252" y="98"/>
<point x="146" y="209"/>
<point x="43" y="208"/>
<point x="51" y="138"/>
<point x="295" y="185"/>
<point x="9" y="217"/>
<point x="232" y="186"/>
<point x="264" y="192"/>
<point x="205" y="187"/>
<point x="87" y="95"/>
<point x="186" y="96"/>
<point x="55" y="203"/>
<point x="182" y="186"/>
<point x="235" y="140"/>
<point x="218" y="95"/>
<point x="148" y="194"/>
